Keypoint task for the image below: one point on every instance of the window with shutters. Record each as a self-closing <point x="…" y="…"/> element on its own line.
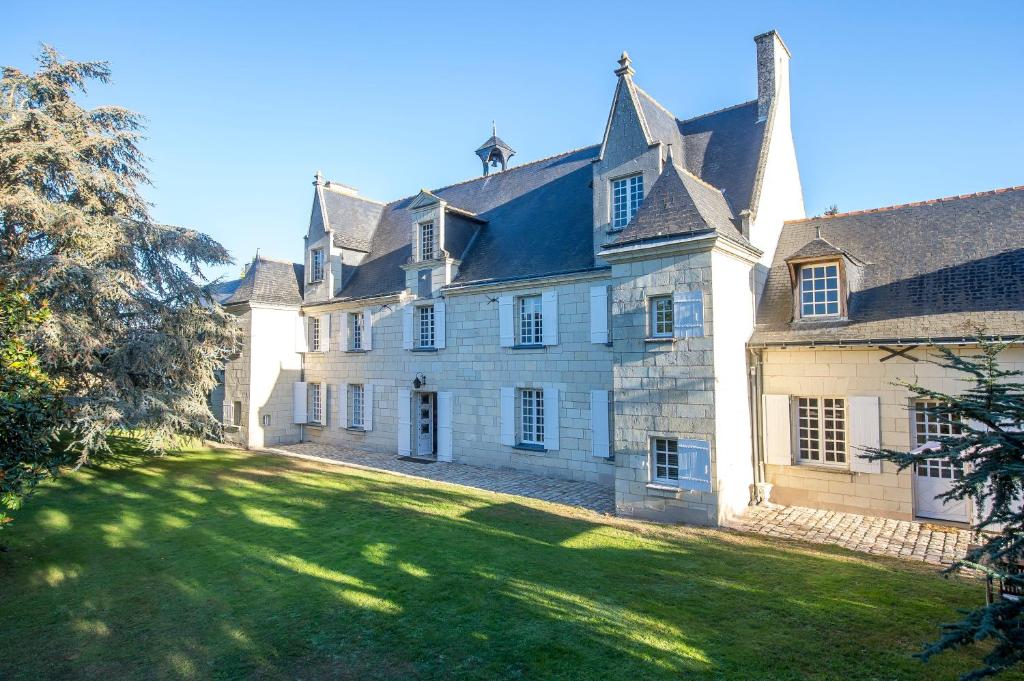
<point x="660" y="322"/>
<point x="428" y="241"/>
<point x="627" y="195"/>
<point x="316" y="411"/>
<point x="356" y="328"/>
<point x="821" y="431"/>
<point x="529" y="320"/>
<point x="356" y="401"/>
<point x="665" y="457"/>
<point x="316" y="265"/>
<point x="531" y="416"/>
<point x="819" y="290"/>
<point x="314" y="334"/>
<point x="425" y="326"/>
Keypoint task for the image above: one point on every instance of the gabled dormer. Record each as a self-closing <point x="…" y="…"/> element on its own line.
<point x="440" y="234"/>
<point x="822" y="277"/>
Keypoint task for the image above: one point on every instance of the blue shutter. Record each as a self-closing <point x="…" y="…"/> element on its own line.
<point x="688" y="313"/>
<point x="695" y="465"/>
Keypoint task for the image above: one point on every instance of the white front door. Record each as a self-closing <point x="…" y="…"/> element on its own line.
<point x="934" y="477"/>
<point x="424" y="419"/>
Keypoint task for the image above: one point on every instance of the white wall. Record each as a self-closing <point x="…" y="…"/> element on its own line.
<point x="275" y="366"/>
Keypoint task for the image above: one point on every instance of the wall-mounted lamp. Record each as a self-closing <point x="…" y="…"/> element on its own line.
<point x="419" y="381"/>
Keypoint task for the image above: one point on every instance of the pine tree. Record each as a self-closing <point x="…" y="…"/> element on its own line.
<point x="130" y="336"/>
<point x="988" y="445"/>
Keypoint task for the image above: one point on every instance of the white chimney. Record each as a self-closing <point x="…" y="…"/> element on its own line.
<point x="772" y="72"/>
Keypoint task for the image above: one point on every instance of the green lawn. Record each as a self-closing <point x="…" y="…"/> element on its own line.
<point x="224" y="564"/>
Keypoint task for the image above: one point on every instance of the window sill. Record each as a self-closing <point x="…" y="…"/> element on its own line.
<point x="823" y="469"/>
<point x="659" y="339"/>
<point x="529" y="447"/>
<point x="231" y="429"/>
<point x="665" y="487"/>
<point x="532" y="346"/>
<point x="356" y="351"/>
<point x="355" y="429"/>
<point x="422" y="349"/>
<point x="614" y="230"/>
<point x="313" y="424"/>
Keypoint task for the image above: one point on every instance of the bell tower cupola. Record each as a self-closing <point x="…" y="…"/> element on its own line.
<point x="494" y="152"/>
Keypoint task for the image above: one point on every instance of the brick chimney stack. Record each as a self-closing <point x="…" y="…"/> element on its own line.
<point x="772" y="72"/>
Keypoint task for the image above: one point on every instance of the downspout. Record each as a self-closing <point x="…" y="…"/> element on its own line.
<point x="755" y="369"/>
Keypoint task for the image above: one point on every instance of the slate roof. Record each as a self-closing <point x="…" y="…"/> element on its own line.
<point x="931" y="270"/>
<point x="816" y="248"/>
<point x="352" y="218"/>
<point x="274" y="282"/>
<point x="679" y="204"/>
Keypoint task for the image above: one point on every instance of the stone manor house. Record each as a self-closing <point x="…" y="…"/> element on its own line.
<point x="654" y="313"/>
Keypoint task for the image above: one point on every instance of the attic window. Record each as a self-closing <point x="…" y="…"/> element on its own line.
<point x="427" y="249"/>
<point x="627" y="195"/>
<point x="316" y="265"/>
<point x="819" y="290"/>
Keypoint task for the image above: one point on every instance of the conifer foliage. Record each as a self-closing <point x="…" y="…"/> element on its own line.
<point x="128" y="335"/>
<point x="987" y="444"/>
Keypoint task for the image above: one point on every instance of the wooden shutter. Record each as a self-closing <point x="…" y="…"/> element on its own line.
<point x="865" y="432"/>
<point x="407" y="327"/>
<point x="505" y="326"/>
<point x="368" y="329"/>
<point x="309" y="266"/>
<point x="299" y="402"/>
<point x="549" y="312"/>
<point x="599" y="314"/>
<point x="368" y="406"/>
<point x="444" y="426"/>
<point x="343" y="332"/>
<point x="688" y="314"/>
<point x="301" y="338"/>
<point x="695" y="465"/>
<point x="324" y="403"/>
<point x="227" y="416"/>
<point x="599" y="422"/>
<point x="404" y="432"/>
<point x="439" y="326"/>
<point x="508" y="416"/>
<point x="325" y="332"/>
<point x="342" y="405"/>
<point x="551" y="404"/>
<point x="778" y="436"/>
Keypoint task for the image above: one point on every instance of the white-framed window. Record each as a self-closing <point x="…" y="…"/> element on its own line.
<point x="356" y="324"/>
<point x="819" y="290"/>
<point x="661" y="318"/>
<point x="531" y="416"/>
<point x="929" y="428"/>
<point x="356" y="402"/>
<point x="627" y="195"/>
<point x="821" y="430"/>
<point x="316" y="263"/>
<point x="428" y="241"/>
<point x="665" y="457"/>
<point x="425" y="326"/>
<point x="316" y="404"/>
<point x="314" y="334"/>
<point x="529" y="320"/>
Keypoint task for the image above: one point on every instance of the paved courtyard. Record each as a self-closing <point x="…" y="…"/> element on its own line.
<point x="911" y="540"/>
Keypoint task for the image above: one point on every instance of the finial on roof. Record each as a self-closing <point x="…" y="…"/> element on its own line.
<point x="318" y="178"/>
<point x="625" y="65"/>
<point x="494" y="128"/>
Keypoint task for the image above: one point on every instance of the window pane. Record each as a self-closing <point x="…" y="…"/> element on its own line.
<point x="666" y="459"/>
<point x="427" y="241"/>
<point x="425" y="332"/>
<point x="531" y="416"/>
<point x="530" y="320"/>
<point x="661" y="316"/>
<point x="627" y="195"/>
<point x="819" y="286"/>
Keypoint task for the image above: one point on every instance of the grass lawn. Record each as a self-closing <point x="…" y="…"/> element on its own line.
<point x="222" y="564"/>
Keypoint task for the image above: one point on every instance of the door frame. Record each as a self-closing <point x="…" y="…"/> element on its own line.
<point x="916" y="495"/>
<point x="415" y="407"/>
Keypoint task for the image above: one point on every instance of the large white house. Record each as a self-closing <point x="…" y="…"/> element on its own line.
<point x="654" y="313"/>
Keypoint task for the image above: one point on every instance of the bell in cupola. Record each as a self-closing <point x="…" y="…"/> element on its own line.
<point x="494" y="152"/>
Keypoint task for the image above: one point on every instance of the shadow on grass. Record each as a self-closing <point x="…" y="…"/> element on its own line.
<point x="223" y="564"/>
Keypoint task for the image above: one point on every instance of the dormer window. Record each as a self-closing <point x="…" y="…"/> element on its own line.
<point x="316" y="266"/>
<point x="428" y="249"/>
<point x="819" y="290"/>
<point x="627" y="195"/>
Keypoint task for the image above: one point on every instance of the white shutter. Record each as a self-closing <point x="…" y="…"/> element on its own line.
<point x="343" y="332"/>
<point x="865" y="432"/>
<point x="508" y="416"/>
<point x="301" y="339"/>
<point x="551" y="404"/>
<point x="778" y="439"/>
<point x="407" y="327"/>
<point x="403" y="399"/>
<point x="324" y="404"/>
<point x="688" y="314"/>
<point x="299" y="402"/>
<point x="505" y="326"/>
<point x="227" y="417"/>
<point x="549" y="310"/>
<point x="325" y="332"/>
<point x="439" y="324"/>
<point x="368" y="406"/>
<point x="368" y="329"/>
<point x="599" y="422"/>
<point x="444" y="426"/>
<point x="309" y="266"/>
<point x="342" y="405"/>
<point x="599" y="314"/>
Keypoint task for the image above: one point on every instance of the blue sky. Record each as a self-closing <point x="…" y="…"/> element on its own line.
<point x="892" y="102"/>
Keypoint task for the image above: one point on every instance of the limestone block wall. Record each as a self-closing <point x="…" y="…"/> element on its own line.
<point x="858" y="371"/>
<point x="237" y="382"/>
<point x="474" y="367"/>
<point x="661" y="388"/>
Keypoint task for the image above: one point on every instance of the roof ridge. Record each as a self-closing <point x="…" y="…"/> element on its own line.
<point x="356" y="195"/>
<point x="914" y="204"/>
<point x="510" y="170"/>
<point x="280" y="260"/>
<point x="655" y="102"/>
<point x="718" y="111"/>
<point x="699" y="179"/>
